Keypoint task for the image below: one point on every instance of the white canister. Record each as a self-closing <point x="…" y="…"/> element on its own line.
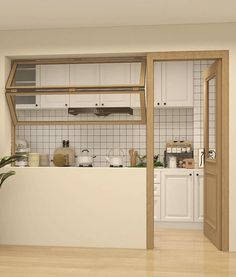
<point x="44" y="159"/>
<point x="33" y="159"/>
<point x="172" y="162"/>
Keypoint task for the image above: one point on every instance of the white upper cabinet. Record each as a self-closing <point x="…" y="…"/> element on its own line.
<point x="115" y="100"/>
<point x="158" y="84"/>
<point x="115" y="74"/>
<point x="198" y="196"/>
<point x="84" y="75"/>
<point x="54" y="75"/>
<point x="173" y="84"/>
<point x="135" y="74"/>
<point x="104" y="74"/>
<point x="28" y="75"/>
<point x="177" y="196"/>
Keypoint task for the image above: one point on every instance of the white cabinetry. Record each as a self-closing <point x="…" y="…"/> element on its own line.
<point x="54" y="75"/>
<point x="84" y="75"/>
<point x="157" y="195"/>
<point x="198" y="195"/>
<point x="177" y="196"/>
<point x="87" y="75"/>
<point x="115" y="74"/>
<point x="29" y="75"/>
<point x="135" y="79"/>
<point x="173" y="84"/>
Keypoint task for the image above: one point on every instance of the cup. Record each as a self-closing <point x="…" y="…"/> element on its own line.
<point x="33" y="159"/>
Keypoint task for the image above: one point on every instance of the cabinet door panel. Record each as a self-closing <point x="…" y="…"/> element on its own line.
<point x="177" y="84"/>
<point x="157" y="208"/>
<point x="135" y="79"/>
<point x="57" y="101"/>
<point x="157" y="84"/>
<point x="115" y="100"/>
<point x="198" y="196"/>
<point x="84" y="74"/>
<point x="54" y="75"/>
<point x="115" y="73"/>
<point x="84" y="100"/>
<point x="33" y="101"/>
<point x="177" y="196"/>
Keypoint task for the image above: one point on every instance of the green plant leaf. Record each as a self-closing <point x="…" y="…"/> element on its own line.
<point x="11" y="159"/>
<point x="4" y="176"/>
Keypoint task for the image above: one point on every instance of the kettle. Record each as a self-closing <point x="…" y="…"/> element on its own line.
<point x="85" y="159"/>
<point x="115" y="161"/>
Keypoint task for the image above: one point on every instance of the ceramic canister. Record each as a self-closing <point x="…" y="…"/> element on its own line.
<point x="44" y="159"/>
<point x="33" y="159"/>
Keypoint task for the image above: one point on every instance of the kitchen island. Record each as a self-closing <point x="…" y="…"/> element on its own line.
<point x="81" y="207"/>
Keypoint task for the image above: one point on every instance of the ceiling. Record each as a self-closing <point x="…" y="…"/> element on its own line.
<point x="38" y="14"/>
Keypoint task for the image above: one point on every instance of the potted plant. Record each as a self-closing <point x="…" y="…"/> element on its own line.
<point x="5" y="161"/>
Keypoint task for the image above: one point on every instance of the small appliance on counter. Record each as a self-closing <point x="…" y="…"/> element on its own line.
<point x="188" y="163"/>
<point x="116" y="159"/>
<point x="85" y="159"/>
<point x="172" y="162"/>
<point x="176" y="152"/>
<point x="65" y="155"/>
<point x="22" y="147"/>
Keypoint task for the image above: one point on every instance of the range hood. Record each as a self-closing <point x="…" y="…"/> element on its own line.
<point x="104" y="111"/>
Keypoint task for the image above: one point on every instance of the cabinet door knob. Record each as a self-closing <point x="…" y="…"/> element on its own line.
<point x="66" y="105"/>
<point x="102" y="104"/>
<point x="165" y="103"/>
<point x="197" y="174"/>
<point x="190" y="174"/>
<point x="36" y="105"/>
<point x="158" y="104"/>
<point x="96" y="104"/>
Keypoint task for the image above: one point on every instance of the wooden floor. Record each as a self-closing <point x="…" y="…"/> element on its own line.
<point x="177" y="253"/>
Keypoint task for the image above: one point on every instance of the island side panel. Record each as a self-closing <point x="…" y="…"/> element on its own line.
<point x="88" y="207"/>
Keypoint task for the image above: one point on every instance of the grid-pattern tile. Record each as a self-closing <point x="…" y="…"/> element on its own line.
<point x="99" y="139"/>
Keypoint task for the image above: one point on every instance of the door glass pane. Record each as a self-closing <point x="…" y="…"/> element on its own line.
<point x="212" y="118"/>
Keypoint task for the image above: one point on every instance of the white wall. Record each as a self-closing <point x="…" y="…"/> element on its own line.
<point x="123" y="40"/>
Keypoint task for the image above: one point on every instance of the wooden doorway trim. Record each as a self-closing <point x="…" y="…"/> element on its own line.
<point x="222" y="55"/>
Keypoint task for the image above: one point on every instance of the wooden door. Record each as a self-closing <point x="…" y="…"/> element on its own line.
<point x="212" y="143"/>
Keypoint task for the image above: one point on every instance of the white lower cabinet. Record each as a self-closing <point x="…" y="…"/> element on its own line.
<point x="177" y="196"/>
<point x="157" y="208"/>
<point x="198" y="196"/>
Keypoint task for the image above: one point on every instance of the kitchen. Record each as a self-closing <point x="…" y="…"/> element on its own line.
<point x="178" y="135"/>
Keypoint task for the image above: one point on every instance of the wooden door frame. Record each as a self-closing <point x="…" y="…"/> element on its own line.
<point x="222" y="55"/>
